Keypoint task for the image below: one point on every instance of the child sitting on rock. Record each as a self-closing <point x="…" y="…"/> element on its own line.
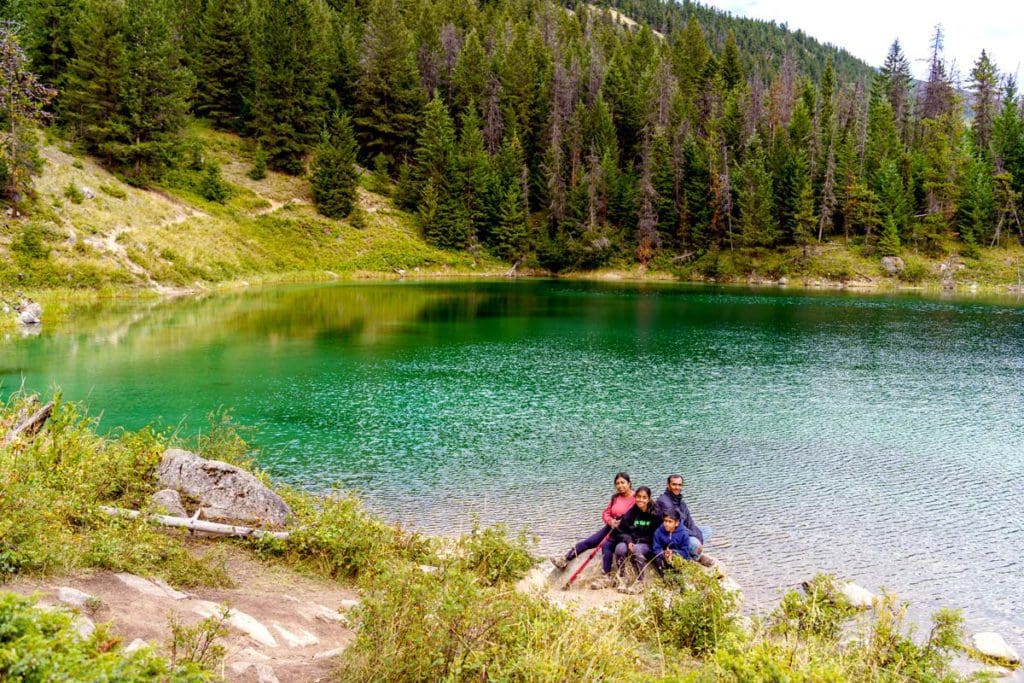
<point x="670" y="540"/>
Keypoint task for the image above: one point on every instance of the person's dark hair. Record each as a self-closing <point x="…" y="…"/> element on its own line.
<point x="622" y="475"/>
<point x="644" y="489"/>
<point x="673" y="476"/>
<point x="674" y="514"/>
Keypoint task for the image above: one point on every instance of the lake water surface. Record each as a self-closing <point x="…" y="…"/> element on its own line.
<point x="881" y="438"/>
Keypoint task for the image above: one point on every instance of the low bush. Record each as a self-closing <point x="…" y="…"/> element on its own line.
<point x="494" y="556"/>
<point x="73" y="194"/>
<point x="695" y="613"/>
<point x="450" y="626"/>
<point x="820" y="610"/>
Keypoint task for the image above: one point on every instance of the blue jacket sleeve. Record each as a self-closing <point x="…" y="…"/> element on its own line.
<point x="660" y="537"/>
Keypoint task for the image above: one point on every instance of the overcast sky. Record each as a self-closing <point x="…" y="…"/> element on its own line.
<point x="868" y="27"/>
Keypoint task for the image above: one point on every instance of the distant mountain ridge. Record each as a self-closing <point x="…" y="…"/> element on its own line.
<point x="763" y="43"/>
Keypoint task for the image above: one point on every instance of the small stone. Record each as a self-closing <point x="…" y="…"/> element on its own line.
<point x="136" y="644"/>
<point x="783" y="281"/>
<point x="348" y="604"/>
<point x="329" y="654"/>
<point x="88" y="193"/>
<point x="73" y="596"/>
<point x="995" y="646"/>
<point x="429" y="569"/>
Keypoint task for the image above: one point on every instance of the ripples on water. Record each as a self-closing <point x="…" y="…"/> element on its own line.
<point x="877" y="438"/>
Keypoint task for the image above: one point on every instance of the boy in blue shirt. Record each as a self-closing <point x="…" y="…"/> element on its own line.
<point x="670" y="539"/>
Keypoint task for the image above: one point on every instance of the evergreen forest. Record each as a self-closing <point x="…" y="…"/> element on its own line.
<point x="569" y="135"/>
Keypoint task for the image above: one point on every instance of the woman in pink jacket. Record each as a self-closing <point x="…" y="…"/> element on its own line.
<point x="617" y="506"/>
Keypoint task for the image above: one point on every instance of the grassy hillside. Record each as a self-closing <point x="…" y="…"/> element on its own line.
<point x="92" y="231"/>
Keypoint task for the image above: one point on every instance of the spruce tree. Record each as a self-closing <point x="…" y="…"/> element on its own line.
<point x="510" y="233"/>
<point x="292" y="44"/>
<point x="222" y="65"/>
<point x="157" y="91"/>
<point x="92" y="101"/>
<point x="754" y="190"/>
<point x="48" y="27"/>
<point x="334" y="170"/>
<point x="889" y="239"/>
<point x="388" y="98"/>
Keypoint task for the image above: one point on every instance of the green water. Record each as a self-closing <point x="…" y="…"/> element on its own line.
<point x="877" y="437"/>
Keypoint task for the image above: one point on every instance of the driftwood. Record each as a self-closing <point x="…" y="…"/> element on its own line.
<point x="31" y="425"/>
<point x="512" y="271"/>
<point x="194" y="524"/>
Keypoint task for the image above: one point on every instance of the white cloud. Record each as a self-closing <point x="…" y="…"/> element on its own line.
<point x="867" y="28"/>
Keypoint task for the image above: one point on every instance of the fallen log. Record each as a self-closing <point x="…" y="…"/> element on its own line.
<point x="512" y="271"/>
<point x="194" y="524"/>
<point x="31" y="425"/>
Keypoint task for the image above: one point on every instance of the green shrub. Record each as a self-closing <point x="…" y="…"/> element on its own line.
<point x="358" y="218"/>
<point x="197" y="644"/>
<point x="695" y="613"/>
<point x="212" y="186"/>
<point x="38" y="645"/>
<point x="336" y="537"/>
<point x="114" y="191"/>
<point x="77" y="163"/>
<point x="820" y="611"/>
<point x="448" y="626"/>
<point x="74" y="194"/>
<point x="259" y="165"/>
<point x="492" y="555"/>
<point x="29" y="242"/>
<point x="915" y="270"/>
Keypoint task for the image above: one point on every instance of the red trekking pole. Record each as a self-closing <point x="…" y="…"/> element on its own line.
<point x="586" y="562"/>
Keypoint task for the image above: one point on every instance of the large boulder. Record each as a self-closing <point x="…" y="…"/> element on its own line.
<point x="224" y="492"/>
<point x="30" y="313"/>
<point x="893" y="265"/>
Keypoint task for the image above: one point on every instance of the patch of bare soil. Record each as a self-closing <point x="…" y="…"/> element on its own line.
<point x="283" y="626"/>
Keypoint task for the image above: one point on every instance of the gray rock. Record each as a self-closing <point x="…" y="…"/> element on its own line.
<point x="169" y="500"/>
<point x="893" y="264"/>
<point x="83" y="627"/>
<point x="136" y="644"/>
<point x="88" y="193"/>
<point x="73" y="596"/>
<point x="30" y="313"/>
<point x="224" y="492"/>
<point x="859" y="597"/>
<point x="994" y="646"/>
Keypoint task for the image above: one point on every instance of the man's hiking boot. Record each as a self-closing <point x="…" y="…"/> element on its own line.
<point x="706" y="560"/>
<point x="559" y="561"/>
<point x="605" y="581"/>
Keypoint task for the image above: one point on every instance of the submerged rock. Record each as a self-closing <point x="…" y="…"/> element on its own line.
<point x="995" y="647"/>
<point x="224" y="492"/>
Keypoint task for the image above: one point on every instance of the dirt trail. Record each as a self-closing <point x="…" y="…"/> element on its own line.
<point x="283" y="626"/>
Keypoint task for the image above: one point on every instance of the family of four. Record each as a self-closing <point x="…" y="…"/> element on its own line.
<point x="645" y="530"/>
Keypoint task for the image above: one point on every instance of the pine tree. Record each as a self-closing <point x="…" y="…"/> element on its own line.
<point x="896" y="82"/>
<point x="511" y="234"/>
<point x="212" y="185"/>
<point x="388" y="98"/>
<point x="48" y="27"/>
<point x="889" y="239"/>
<point x="984" y="87"/>
<point x="730" y="68"/>
<point x="334" y="176"/>
<point x="754" y="194"/>
<point x="290" y="56"/>
<point x="93" y="94"/>
<point x="222" y="65"/>
<point x="157" y="91"/>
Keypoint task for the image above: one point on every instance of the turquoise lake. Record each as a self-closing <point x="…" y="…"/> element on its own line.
<point x="877" y="437"/>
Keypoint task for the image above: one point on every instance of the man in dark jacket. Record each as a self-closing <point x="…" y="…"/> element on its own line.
<point x="672" y="500"/>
